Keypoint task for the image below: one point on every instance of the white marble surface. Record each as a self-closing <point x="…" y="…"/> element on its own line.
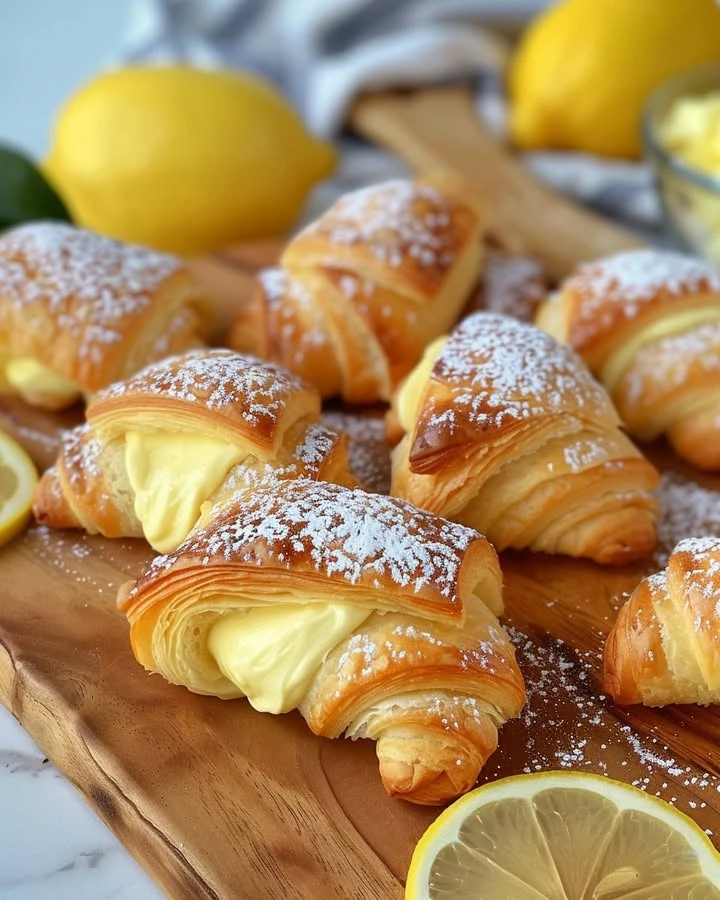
<point x="52" y="845"/>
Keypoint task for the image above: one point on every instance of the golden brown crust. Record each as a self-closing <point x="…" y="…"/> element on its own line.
<point x="609" y="300"/>
<point x="665" y="645"/>
<point x="430" y="675"/>
<point x="269" y="414"/>
<point x="511" y="435"/>
<point x="217" y="392"/>
<point x="367" y="286"/>
<point x="87" y="488"/>
<point x="91" y="309"/>
<point x="303" y="533"/>
<point x="402" y="235"/>
<point x="647" y="323"/>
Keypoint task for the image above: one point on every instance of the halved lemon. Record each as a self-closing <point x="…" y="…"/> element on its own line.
<point x="563" y="836"/>
<point x="18" y="478"/>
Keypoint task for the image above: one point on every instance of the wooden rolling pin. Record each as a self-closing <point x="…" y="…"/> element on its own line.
<point x="438" y="128"/>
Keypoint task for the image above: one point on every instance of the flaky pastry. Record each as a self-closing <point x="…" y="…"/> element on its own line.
<point x="647" y="322"/>
<point x="507" y="431"/>
<point x="665" y="644"/>
<point x="361" y="291"/>
<point x="373" y="618"/>
<point x="79" y="311"/>
<point x="181" y="433"/>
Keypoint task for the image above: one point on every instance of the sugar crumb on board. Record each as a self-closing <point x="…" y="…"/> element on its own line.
<point x="568" y="724"/>
<point x="67" y="552"/>
<point x="687" y="510"/>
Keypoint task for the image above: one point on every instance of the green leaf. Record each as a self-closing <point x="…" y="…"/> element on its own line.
<point x="24" y="193"/>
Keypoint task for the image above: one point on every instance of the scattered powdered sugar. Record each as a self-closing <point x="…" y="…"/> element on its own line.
<point x="512" y="286"/>
<point x="567" y="724"/>
<point x="499" y="369"/>
<point x="66" y="552"/>
<point x="91" y="284"/>
<point x="30" y="435"/>
<point x="80" y="454"/>
<point x="369" y="451"/>
<point x="686" y="510"/>
<point x="703" y="577"/>
<point x="362" y="537"/>
<point x="217" y="379"/>
<point x="399" y="221"/>
<point x="289" y="300"/>
<point x="584" y="453"/>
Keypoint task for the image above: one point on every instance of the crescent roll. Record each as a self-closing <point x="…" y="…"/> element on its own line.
<point x="79" y="311"/>
<point x="180" y="433"/>
<point x="665" y="645"/>
<point x="647" y="322"/>
<point x="507" y="431"/>
<point x="374" y="619"/>
<point x="360" y="292"/>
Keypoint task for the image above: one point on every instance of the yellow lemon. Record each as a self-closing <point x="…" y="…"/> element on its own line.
<point x="18" y="478"/>
<point x="584" y="68"/>
<point x="183" y="159"/>
<point x="563" y="836"/>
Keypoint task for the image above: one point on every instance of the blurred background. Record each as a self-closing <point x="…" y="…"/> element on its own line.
<point x="564" y="83"/>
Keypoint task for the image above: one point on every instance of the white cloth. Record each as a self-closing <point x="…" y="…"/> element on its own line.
<point x="323" y="52"/>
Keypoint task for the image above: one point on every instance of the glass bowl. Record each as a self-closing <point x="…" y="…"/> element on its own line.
<point x="690" y="197"/>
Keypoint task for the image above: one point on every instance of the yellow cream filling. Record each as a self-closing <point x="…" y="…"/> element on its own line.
<point x="172" y="475"/>
<point x="410" y="391"/>
<point x="550" y="317"/>
<point x="272" y="653"/>
<point x="617" y="363"/>
<point x="27" y="376"/>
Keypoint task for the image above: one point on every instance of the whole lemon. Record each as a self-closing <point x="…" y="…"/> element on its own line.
<point x="584" y="68"/>
<point x="183" y="159"/>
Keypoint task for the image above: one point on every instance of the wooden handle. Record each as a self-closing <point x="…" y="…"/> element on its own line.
<point x="438" y="128"/>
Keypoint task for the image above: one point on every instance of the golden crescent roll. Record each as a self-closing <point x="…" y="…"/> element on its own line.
<point x="79" y="311"/>
<point x="647" y="322"/>
<point x="371" y="617"/>
<point x="180" y="433"/>
<point x="361" y="291"/>
<point x="507" y="431"/>
<point x="665" y="645"/>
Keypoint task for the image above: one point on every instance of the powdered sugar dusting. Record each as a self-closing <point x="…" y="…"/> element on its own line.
<point x="500" y="370"/>
<point x="568" y="724"/>
<point x="398" y="221"/>
<point x="627" y="282"/>
<point x="91" y="284"/>
<point x="217" y="379"/>
<point x="359" y="536"/>
<point x="369" y="451"/>
<point x="687" y="510"/>
<point x="284" y="294"/>
<point x="80" y="452"/>
<point x="512" y="286"/>
<point x="703" y="578"/>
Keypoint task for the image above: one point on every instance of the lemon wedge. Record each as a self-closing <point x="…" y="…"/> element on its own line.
<point x="563" y="836"/>
<point x="18" y="478"/>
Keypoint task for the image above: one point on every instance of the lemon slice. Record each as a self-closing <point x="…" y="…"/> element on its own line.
<point x="18" y="478"/>
<point x="563" y="836"/>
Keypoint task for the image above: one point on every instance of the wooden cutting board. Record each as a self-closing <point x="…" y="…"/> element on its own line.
<point x="216" y="800"/>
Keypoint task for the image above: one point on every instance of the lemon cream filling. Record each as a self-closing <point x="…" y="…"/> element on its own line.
<point x="617" y="363"/>
<point x="272" y="653"/>
<point x="410" y="392"/>
<point x="27" y="376"/>
<point x="172" y="475"/>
